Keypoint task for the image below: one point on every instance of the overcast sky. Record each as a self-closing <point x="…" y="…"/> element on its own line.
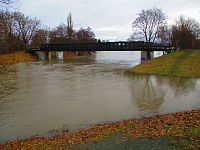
<point x="109" y="19"/>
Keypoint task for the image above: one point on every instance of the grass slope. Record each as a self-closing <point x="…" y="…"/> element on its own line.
<point x="179" y="63"/>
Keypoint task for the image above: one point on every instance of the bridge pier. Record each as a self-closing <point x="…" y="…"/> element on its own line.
<point x="49" y="55"/>
<point x="59" y="55"/>
<point x="41" y="55"/>
<point x="145" y="56"/>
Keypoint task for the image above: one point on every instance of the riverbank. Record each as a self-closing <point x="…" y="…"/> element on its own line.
<point x="179" y="64"/>
<point x="181" y="129"/>
<point x="16" y="57"/>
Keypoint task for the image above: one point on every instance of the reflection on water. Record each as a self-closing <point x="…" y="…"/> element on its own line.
<point x="147" y="94"/>
<point x="181" y="86"/>
<point x="81" y="91"/>
<point x="8" y="80"/>
<point x="158" y="94"/>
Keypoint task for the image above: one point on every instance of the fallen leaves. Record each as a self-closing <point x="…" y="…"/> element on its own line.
<point x="180" y="124"/>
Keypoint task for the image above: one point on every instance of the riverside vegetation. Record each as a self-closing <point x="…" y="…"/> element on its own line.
<point x="180" y="63"/>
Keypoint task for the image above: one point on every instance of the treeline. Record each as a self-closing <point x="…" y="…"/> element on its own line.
<point x="19" y="32"/>
<point x="185" y="33"/>
<point x="151" y="26"/>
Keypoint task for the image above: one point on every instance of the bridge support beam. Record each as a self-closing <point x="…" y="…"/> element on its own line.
<point x="49" y="55"/>
<point x="59" y="55"/>
<point x="41" y="55"/>
<point x="145" y="56"/>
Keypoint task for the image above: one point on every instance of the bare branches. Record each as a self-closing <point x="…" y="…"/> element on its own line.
<point x="186" y="33"/>
<point x="70" y="30"/>
<point x="148" y="23"/>
<point x="66" y="34"/>
<point x="8" y="31"/>
<point x="85" y="35"/>
<point x="40" y="37"/>
<point x="7" y="2"/>
<point x="16" y="31"/>
<point x="26" y="27"/>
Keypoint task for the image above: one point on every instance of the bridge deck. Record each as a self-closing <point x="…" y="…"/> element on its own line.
<point x="104" y="46"/>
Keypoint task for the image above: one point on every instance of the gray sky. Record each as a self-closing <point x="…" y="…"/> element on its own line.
<point x="109" y="19"/>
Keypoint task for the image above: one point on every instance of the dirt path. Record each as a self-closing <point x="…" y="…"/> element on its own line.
<point x="118" y="142"/>
<point x="177" y="62"/>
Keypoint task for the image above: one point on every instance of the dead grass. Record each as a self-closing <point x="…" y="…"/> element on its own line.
<point x="16" y="57"/>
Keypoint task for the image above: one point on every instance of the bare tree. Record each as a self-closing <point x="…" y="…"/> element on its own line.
<point x="59" y="34"/>
<point x="165" y="35"/>
<point x="85" y="35"/>
<point x="70" y="30"/>
<point x="148" y="22"/>
<point x="61" y="31"/>
<point x="4" y="31"/>
<point x="40" y="37"/>
<point x="189" y="23"/>
<point x="185" y="33"/>
<point x="26" y="27"/>
<point x="131" y="38"/>
<point x="135" y="37"/>
<point x="7" y="2"/>
<point x="8" y="37"/>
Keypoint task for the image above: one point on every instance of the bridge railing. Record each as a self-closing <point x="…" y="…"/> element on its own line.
<point x="105" y="46"/>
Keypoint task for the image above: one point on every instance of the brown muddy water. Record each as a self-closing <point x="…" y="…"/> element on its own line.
<point x="45" y="98"/>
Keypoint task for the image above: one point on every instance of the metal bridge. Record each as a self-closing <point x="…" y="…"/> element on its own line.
<point x="104" y="46"/>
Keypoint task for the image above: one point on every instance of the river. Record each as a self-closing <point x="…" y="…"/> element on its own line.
<point x="45" y="98"/>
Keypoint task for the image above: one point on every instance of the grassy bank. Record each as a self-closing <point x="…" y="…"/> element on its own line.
<point x="16" y="57"/>
<point x="178" y="129"/>
<point x="179" y="63"/>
